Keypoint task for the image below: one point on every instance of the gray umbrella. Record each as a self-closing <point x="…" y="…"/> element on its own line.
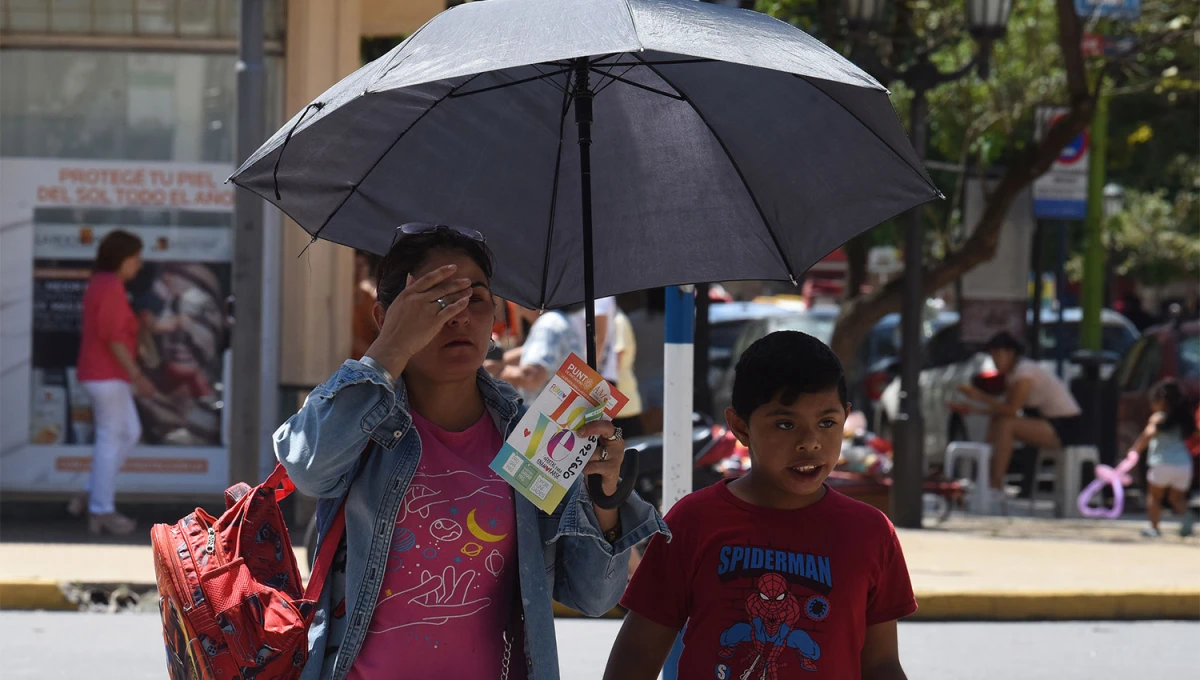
<point x="601" y="146"/>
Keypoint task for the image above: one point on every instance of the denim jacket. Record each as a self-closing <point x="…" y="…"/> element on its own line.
<point x="563" y="556"/>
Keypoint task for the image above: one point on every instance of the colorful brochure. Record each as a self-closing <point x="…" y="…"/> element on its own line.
<point x="543" y="457"/>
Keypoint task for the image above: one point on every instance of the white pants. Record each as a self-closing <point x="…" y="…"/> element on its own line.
<point x="118" y="430"/>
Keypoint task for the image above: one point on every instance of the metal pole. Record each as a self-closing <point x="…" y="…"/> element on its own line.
<point x="583" y="121"/>
<point x="245" y="394"/>
<point x="678" y="371"/>
<point x="703" y="399"/>
<point x="909" y="470"/>
<point x="1035" y="352"/>
<point x="1092" y="298"/>
<point x="1060" y="288"/>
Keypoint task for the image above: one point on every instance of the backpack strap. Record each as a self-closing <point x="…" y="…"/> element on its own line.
<point x="324" y="560"/>
<point x="283" y="485"/>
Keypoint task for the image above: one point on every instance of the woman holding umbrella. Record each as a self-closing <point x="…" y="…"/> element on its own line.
<point x="444" y="571"/>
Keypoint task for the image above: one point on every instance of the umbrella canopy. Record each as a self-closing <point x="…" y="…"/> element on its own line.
<point x="726" y="145"/>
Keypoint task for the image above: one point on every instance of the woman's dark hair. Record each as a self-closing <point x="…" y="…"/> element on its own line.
<point x="1181" y="411"/>
<point x="410" y="252"/>
<point x="115" y="248"/>
<point x="1005" y="340"/>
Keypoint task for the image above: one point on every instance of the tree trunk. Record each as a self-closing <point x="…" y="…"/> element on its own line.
<point x="856" y="250"/>
<point x="860" y="314"/>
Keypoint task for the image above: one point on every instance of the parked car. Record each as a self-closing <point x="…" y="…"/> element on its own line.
<point x="726" y="323"/>
<point x="817" y="322"/>
<point x="1166" y="351"/>
<point x="878" y="361"/>
<point x="948" y="363"/>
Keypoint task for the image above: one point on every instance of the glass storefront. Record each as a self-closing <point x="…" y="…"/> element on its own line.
<point x="180" y="18"/>
<point x="142" y="140"/>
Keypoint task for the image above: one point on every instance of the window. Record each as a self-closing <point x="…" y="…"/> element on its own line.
<point x="1125" y="370"/>
<point x="112" y="16"/>
<point x="70" y="16"/>
<point x="945" y="348"/>
<point x="122" y="105"/>
<point x="27" y="16"/>
<point x="1146" y="370"/>
<point x="1189" y="356"/>
<point x="188" y="18"/>
<point x="820" y="327"/>
<point x="1114" y="338"/>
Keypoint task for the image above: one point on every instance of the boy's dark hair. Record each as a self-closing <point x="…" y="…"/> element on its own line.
<point x="410" y="252"/>
<point x="116" y="247"/>
<point x="1181" y="411"/>
<point x="1005" y="340"/>
<point x="785" y="364"/>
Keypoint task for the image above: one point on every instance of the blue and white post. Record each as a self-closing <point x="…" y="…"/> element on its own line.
<point x="678" y="377"/>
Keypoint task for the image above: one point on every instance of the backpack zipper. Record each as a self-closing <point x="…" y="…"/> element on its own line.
<point x="211" y="547"/>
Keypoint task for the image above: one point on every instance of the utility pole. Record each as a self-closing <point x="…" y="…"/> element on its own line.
<point x="1092" y="299"/>
<point x="909" y="470"/>
<point x="246" y="391"/>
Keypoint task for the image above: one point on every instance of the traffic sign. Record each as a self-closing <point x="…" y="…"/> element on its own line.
<point x="1061" y="193"/>
<point x="1109" y="9"/>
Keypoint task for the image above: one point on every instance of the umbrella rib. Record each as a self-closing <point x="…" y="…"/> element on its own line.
<point x="920" y="171"/>
<point x="736" y="168"/>
<point x="665" y="62"/>
<point x="562" y="123"/>
<point x="608" y="74"/>
<point x="647" y="88"/>
<point x="354" y="189"/>
<point x="543" y="76"/>
<point x="549" y="78"/>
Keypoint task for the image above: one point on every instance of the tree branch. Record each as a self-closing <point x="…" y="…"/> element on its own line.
<point x="858" y="314"/>
<point x="1070" y="38"/>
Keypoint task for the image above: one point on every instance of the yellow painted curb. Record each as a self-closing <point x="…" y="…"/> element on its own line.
<point x="1058" y="606"/>
<point x="1032" y="606"/>
<point x="32" y="594"/>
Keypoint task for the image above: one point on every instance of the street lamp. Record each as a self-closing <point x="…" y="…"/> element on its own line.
<point x="864" y="15"/>
<point x="987" y="21"/>
<point x="1114" y="199"/>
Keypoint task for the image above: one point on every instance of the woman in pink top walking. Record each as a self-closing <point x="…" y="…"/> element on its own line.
<point x="110" y="375"/>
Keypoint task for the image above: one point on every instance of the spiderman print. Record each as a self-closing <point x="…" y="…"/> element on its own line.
<point x="773" y="612"/>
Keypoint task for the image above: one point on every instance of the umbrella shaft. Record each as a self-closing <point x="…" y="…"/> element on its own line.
<point x="583" y="121"/>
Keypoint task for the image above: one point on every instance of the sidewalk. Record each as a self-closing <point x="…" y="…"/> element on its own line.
<point x="970" y="568"/>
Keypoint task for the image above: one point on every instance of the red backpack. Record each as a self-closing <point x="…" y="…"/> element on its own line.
<point x="229" y="588"/>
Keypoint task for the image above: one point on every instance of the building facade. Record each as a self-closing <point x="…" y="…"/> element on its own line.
<point x="120" y="114"/>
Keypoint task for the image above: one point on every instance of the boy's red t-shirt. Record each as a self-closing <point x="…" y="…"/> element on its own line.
<point x="772" y="594"/>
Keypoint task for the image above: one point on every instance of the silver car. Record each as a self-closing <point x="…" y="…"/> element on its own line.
<point x="948" y="363"/>
<point x="817" y="322"/>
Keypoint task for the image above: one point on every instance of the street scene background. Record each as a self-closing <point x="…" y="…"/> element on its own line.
<point x="1065" y="135"/>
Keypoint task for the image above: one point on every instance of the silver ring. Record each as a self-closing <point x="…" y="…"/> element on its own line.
<point x="441" y="302"/>
<point x="618" y="435"/>
<point x="603" y="455"/>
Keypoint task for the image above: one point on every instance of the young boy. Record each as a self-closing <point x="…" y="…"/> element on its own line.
<point x="776" y="575"/>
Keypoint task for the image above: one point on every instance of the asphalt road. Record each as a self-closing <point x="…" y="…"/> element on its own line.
<point x="129" y="647"/>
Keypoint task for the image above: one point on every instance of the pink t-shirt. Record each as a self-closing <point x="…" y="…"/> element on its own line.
<point x="447" y="592"/>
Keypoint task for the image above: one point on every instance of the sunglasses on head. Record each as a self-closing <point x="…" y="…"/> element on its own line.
<point x="415" y="228"/>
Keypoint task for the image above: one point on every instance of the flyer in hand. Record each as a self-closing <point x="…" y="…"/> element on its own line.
<point x="543" y="457"/>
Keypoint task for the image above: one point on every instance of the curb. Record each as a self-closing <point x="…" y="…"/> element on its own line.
<point x="1161" y="605"/>
<point x="1166" y="605"/>
<point x="32" y="594"/>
